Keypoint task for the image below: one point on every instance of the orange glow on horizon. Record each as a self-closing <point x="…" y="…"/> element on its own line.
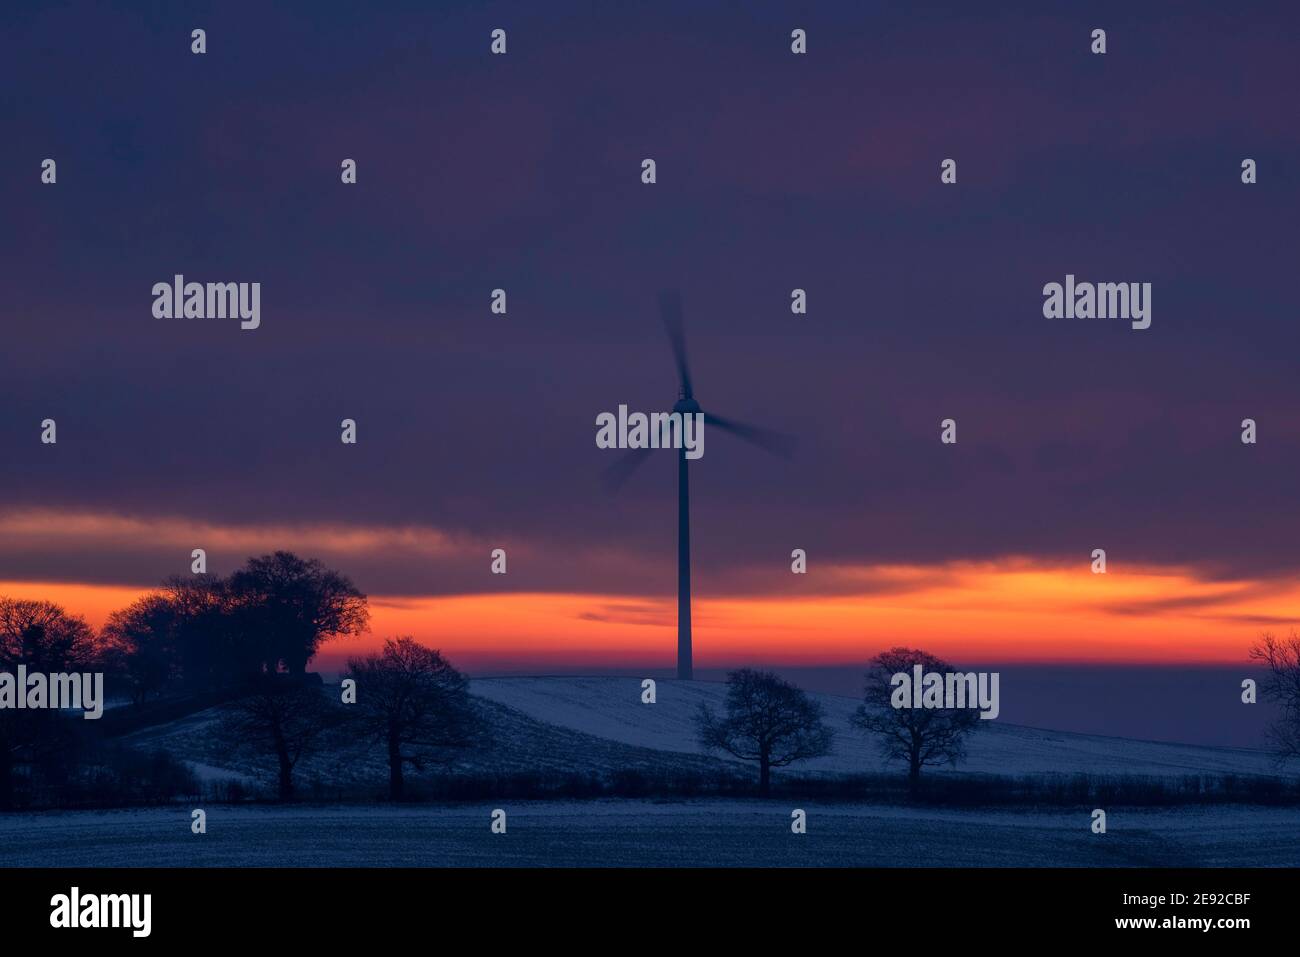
<point x="1004" y="613"/>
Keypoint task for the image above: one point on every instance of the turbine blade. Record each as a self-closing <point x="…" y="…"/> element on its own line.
<point x="670" y="308"/>
<point x="617" y="474"/>
<point x="778" y="443"/>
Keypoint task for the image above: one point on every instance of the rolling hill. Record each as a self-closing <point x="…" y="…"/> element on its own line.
<point x="611" y="709"/>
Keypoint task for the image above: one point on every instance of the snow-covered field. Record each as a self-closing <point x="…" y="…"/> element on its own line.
<point x="598" y="725"/>
<point x="714" y="832"/>
<point x="611" y="708"/>
<point x="594" y="726"/>
<point x="519" y="744"/>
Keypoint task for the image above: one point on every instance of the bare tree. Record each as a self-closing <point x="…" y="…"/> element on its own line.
<point x="768" y="720"/>
<point x="284" y="716"/>
<point x="416" y="705"/>
<point x="1281" y="656"/>
<point x="919" y="736"/>
<point x="45" y="638"/>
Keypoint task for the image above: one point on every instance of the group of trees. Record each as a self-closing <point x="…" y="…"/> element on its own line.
<point x="203" y="632"/>
<point x="249" y="636"/>
<point x="409" y="703"/>
<point x="772" y="722"/>
<point x="253" y="633"/>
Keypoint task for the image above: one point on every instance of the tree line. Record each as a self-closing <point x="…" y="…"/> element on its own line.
<point x="203" y="632"/>
<point x="768" y="720"/>
<point x="247" y="637"/>
<point x="771" y="722"/>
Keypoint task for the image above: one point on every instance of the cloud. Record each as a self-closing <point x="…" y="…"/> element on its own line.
<point x="776" y="171"/>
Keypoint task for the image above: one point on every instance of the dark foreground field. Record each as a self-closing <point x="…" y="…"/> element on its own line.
<point x="649" y="833"/>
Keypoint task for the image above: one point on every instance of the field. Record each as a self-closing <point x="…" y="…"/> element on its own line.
<point x="646" y="833"/>
<point x="575" y="725"/>
<point x="611" y="709"/>
<point x="547" y="728"/>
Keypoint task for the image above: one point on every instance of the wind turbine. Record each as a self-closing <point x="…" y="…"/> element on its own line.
<point x="670" y="308"/>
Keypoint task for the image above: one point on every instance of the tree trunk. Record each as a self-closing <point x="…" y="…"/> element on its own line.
<point x="395" y="781"/>
<point x="6" y="778"/>
<point x="764" y="774"/>
<point x="286" y="776"/>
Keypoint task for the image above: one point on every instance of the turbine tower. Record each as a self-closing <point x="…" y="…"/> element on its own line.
<point x="670" y="308"/>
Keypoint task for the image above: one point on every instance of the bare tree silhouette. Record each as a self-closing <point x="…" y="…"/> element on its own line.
<point x="283" y="716"/>
<point x="416" y="705"/>
<point x="1281" y="656"/>
<point x="768" y="720"/>
<point x="919" y="736"/>
<point x="45" y="638"/>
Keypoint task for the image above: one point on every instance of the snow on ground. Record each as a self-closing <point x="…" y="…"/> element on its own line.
<point x="518" y="744"/>
<point x="611" y="708"/>
<point x="595" y="725"/>
<point x="598" y="726"/>
<point x="712" y="832"/>
<point x="210" y="774"/>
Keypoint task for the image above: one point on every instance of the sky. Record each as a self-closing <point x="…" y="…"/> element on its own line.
<point x="774" y="172"/>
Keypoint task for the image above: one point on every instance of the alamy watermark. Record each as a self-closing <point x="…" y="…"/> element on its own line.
<point x="658" y="430"/>
<point x="179" y="299"/>
<point x="948" y="690"/>
<point x="1103" y="300"/>
<point x="57" y="691"/>
<point x="75" y="909"/>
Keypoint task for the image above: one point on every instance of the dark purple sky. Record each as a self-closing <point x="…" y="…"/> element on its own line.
<point x="775" y="171"/>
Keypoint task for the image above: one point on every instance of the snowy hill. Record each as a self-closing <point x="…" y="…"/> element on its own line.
<point x="598" y="726"/>
<point x="519" y="744"/>
<point x="611" y="708"/>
